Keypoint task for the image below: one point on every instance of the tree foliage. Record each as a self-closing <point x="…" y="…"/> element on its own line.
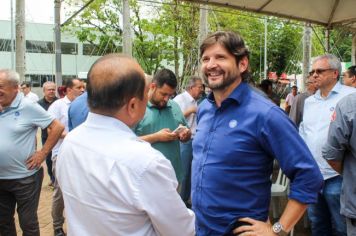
<point x="166" y="34"/>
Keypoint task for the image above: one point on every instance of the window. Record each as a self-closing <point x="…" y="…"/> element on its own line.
<point x="95" y="50"/>
<point x="91" y="50"/>
<point x="5" y="45"/>
<point x="39" y="80"/>
<point x="34" y="46"/>
<point x="69" y="48"/>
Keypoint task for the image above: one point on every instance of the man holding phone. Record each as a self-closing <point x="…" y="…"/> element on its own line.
<point x="163" y="116"/>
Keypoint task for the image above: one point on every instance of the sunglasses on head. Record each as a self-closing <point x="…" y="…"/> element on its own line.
<point x="318" y="71"/>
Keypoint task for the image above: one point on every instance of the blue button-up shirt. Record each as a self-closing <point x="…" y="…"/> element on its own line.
<point x="234" y="149"/>
<point x="78" y="111"/>
<point x="317" y="116"/>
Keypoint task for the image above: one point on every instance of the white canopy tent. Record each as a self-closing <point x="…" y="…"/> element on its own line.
<point x="328" y="13"/>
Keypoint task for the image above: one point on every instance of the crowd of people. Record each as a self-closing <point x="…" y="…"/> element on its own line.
<point x="126" y="158"/>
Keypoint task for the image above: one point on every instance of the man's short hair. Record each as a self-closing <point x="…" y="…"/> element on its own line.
<point x="333" y="62"/>
<point x="12" y="76"/>
<point x="114" y="87"/>
<point x="351" y="71"/>
<point x="192" y="81"/>
<point x="45" y="84"/>
<point x="68" y="83"/>
<point x="232" y="42"/>
<point x="27" y="84"/>
<point x="294" y="87"/>
<point x="165" y="76"/>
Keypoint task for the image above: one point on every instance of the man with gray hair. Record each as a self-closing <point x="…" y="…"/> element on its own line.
<point x="187" y="102"/>
<point x="324" y="215"/>
<point x="21" y="174"/>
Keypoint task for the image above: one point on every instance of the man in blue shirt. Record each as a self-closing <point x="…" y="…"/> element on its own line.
<point x="239" y="135"/>
<point x="78" y="111"/>
<point x="325" y="214"/>
<point x="21" y="173"/>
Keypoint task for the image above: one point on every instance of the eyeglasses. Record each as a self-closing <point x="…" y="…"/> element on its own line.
<point x="319" y="71"/>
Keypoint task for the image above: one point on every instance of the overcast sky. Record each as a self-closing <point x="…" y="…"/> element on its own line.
<point x="39" y="11"/>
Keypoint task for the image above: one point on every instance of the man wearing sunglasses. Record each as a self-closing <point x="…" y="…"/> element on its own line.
<point x="318" y="109"/>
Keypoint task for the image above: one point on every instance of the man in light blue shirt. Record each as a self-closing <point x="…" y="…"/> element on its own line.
<point x="21" y="174"/>
<point x="318" y="109"/>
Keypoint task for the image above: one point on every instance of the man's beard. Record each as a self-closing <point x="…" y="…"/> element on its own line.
<point x="224" y="83"/>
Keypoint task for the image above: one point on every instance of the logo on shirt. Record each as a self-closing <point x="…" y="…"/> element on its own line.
<point x="232" y="123"/>
<point x="17" y="113"/>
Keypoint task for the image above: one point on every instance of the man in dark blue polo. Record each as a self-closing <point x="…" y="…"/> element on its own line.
<point x="239" y="134"/>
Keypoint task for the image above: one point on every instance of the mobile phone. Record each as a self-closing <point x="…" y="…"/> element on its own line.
<point x="233" y="225"/>
<point x="179" y="129"/>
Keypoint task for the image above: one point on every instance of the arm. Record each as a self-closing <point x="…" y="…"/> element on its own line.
<point x="189" y="111"/>
<point x="291" y="215"/>
<point x="54" y="130"/>
<point x="160" y="203"/>
<point x="337" y="142"/>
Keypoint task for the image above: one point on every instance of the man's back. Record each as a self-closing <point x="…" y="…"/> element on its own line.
<point x="124" y="184"/>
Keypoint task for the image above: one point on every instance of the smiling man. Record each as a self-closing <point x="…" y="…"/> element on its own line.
<point x="239" y="134"/>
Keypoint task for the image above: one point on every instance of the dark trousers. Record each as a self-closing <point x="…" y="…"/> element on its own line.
<point x="25" y="193"/>
<point x="49" y="164"/>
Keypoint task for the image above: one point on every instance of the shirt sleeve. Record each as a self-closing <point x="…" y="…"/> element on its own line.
<point x="158" y="197"/>
<point x="41" y="118"/>
<point x="279" y="137"/>
<point x="338" y="137"/>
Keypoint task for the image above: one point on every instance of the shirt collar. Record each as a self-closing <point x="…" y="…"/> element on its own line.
<point x="66" y="100"/>
<point x="187" y="95"/>
<point x="335" y="90"/>
<point x="238" y="94"/>
<point x="99" y="120"/>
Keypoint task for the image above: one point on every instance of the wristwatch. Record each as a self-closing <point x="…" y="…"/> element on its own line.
<point x="278" y="229"/>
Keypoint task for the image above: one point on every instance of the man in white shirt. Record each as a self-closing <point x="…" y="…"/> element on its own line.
<point x="324" y="215"/>
<point x="187" y="102"/>
<point x="125" y="186"/>
<point x="26" y="89"/>
<point x="59" y="109"/>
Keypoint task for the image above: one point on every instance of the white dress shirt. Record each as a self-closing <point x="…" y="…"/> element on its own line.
<point x="186" y="101"/>
<point x="113" y="183"/>
<point x="32" y="96"/>
<point x="59" y="110"/>
<point x="317" y="116"/>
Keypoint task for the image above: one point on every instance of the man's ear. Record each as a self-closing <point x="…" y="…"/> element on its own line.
<point x="131" y="107"/>
<point x="243" y="64"/>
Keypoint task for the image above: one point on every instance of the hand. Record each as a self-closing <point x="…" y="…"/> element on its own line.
<point x="257" y="228"/>
<point x="35" y="160"/>
<point x="166" y="135"/>
<point x="185" y="135"/>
